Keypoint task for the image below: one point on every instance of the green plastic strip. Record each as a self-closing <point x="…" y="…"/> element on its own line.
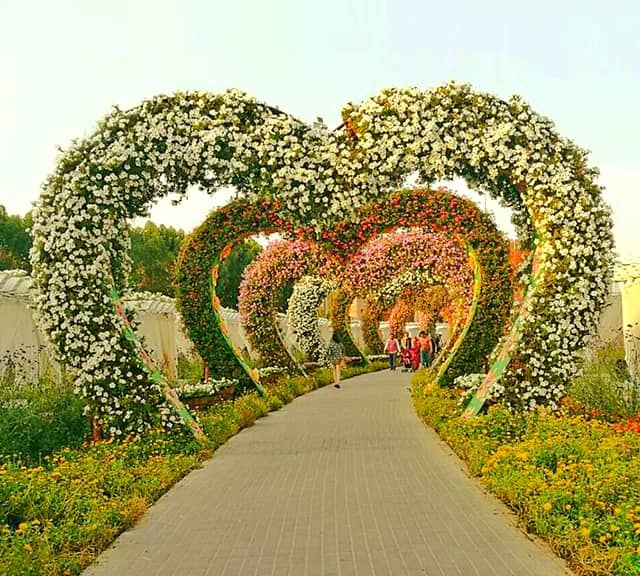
<point x="217" y="312"/>
<point x="477" y="289"/>
<point x="504" y="356"/>
<point x="153" y="371"/>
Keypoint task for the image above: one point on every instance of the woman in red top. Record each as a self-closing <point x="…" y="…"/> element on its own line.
<point x="415" y="354"/>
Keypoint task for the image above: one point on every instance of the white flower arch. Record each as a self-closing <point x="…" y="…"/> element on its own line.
<point x="134" y="157"/>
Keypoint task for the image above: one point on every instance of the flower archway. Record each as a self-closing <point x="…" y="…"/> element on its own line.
<point x="507" y="150"/>
<point x="454" y="219"/>
<point x="281" y="264"/>
<point x="80" y="250"/>
<point x="302" y="315"/>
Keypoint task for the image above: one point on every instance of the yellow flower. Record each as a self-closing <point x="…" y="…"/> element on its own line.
<point x="585" y="532"/>
<point x="27" y="548"/>
<point x="547" y="506"/>
<point x="23" y="526"/>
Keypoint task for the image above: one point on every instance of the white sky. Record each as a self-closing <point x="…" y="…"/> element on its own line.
<point x="64" y="63"/>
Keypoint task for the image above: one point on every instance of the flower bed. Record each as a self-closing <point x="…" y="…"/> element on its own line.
<point x="571" y="480"/>
<point x="207" y="393"/>
<point x="56" y="518"/>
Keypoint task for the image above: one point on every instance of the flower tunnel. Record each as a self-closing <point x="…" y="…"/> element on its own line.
<point x="290" y="176"/>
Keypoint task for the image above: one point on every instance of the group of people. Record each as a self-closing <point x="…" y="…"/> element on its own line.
<point x="415" y="352"/>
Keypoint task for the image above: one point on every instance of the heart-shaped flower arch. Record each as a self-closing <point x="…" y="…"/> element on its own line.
<point x="449" y="215"/>
<point x="281" y="264"/>
<point x="486" y="283"/>
<point x="387" y="265"/>
<point x="80" y="250"/>
<point x="367" y="274"/>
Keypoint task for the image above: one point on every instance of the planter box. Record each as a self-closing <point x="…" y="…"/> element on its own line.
<point x="204" y="401"/>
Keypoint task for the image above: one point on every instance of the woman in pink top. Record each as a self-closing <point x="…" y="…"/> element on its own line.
<point x="392" y="347"/>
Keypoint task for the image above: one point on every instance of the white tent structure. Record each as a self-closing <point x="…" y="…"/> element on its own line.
<point x="25" y="351"/>
<point x="628" y="278"/>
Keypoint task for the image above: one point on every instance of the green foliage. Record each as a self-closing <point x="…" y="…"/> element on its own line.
<point x="231" y="268"/>
<point x="572" y="481"/>
<point x="154" y="250"/>
<point x="284" y="294"/>
<point x="605" y="387"/>
<point x="190" y="369"/>
<point x="36" y="420"/>
<point x="15" y="241"/>
<point x="56" y="518"/>
<point x="370" y="332"/>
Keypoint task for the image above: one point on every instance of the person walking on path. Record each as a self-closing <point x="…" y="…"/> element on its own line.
<point x="335" y="356"/>
<point x="437" y="343"/>
<point x="426" y="349"/>
<point x="415" y="354"/>
<point x="392" y="347"/>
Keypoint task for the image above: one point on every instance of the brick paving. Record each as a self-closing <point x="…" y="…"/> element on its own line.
<point x="340" y="482"/>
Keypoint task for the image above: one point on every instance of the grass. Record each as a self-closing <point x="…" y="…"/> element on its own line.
<point x="36" y="420"/>
<point x="604" y="387"/>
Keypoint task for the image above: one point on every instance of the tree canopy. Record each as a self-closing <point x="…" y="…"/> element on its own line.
<point x="242" y="254"/>
<point x="15" y="241"/>
<point x="154" y="249"/>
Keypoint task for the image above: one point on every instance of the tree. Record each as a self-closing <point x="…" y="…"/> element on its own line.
<point x="15" y="241"/>
<point x="154" y="250"/>
<point x="231" y="269"/>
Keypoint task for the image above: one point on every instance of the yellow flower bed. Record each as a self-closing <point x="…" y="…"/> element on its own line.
<point x="573" y="481"/>
<point x="56" y="518"/>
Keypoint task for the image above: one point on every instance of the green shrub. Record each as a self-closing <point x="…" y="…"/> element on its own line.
<point x="190" y="368"/>
<point x="36" y="421"/>
<point x="604" y="386"/>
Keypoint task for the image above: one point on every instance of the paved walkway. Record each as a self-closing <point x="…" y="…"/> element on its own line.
<point x="340" y="482"/>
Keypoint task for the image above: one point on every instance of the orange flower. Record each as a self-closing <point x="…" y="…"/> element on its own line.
<point x="225" y="252"/>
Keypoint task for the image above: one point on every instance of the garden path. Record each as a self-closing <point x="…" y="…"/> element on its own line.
<point x="340" y="482"/>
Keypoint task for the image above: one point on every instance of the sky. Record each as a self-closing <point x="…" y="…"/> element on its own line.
<point x="65" y="63"/>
